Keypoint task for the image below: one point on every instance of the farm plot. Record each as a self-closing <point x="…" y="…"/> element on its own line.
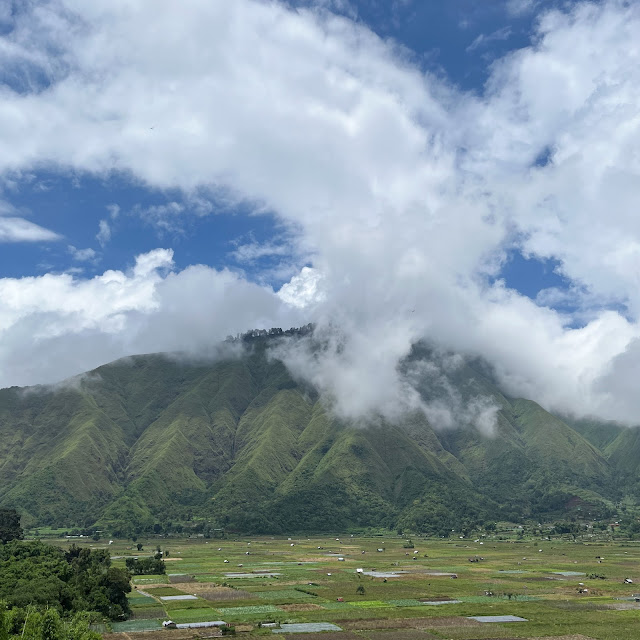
<point x="568" y="589"/>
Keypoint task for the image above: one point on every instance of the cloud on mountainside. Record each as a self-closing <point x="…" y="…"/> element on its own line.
<point x="405" y="193"/>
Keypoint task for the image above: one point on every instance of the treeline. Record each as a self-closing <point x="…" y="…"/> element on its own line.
<point x="273" y="332"/>
<point x="44" y="576"/>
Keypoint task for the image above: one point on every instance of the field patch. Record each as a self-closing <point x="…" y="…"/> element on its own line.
<point x="162" y="579"/>
<point x="305" y="606"/>
<point x="498" y="619"/>
<point x="194" y="615"/>
<point x="336" y="605"/>
<point x="162" y="592"/>
<point x="222" y="594"/>
<point x="501" y="598"/>
<point x="282" y="594"/>
<point x="136" y="598"/>
<point x="405" y="602"/>
<point x="404" y="623"/>
<point x="136" y="625"/>
<point x="405" y="634"/>
<point x="235" y="612"/>
<point x="180" y="577"/>
<point x="369" y="604"/>
<point x="326" y="635"/>
<point x="147" y="613"/>
<point x="307" y="627"/>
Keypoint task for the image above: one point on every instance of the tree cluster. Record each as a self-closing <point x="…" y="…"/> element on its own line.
<point x="31" y="624"/>
<point x="10" y="528"/>
<point x="44" y="576"/>
<point x="154" y="565"/>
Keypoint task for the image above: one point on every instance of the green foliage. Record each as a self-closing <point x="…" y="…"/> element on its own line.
<point x="156" y="444"/>
<point x="146" y="566"/>
<point x="35" y="574"/>
<point x="10" y="528"/>
<point x="47" y="624"/>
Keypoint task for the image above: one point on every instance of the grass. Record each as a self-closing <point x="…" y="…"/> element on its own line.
<point x="550" y="602"/>
<point x="159" y="592"/>
<point x="136" y="625"/>
<point x="286" y="595"/>
<point x="136" y="598"/>
<point x="142" y="580"/>
<point x="194" y="615"/>
<point x="370" y="604"/>
<point x="240" y="612"/>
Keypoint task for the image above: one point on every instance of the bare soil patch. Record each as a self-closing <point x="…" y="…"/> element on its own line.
<point x="140" y="613"/>
<point x="244" y="627"/>
<point x="181" y="579"/>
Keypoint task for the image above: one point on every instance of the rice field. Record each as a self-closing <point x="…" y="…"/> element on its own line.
<point x="547" y="589"/>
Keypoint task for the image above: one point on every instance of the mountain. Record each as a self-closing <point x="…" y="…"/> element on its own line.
<point x="149" y="442"/>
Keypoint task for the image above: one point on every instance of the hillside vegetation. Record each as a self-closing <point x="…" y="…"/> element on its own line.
<point x="152" y="441"/>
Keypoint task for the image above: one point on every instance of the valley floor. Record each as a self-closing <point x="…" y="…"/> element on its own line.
<point x="559" y="589"/>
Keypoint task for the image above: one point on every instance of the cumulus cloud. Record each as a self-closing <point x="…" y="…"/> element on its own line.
<point x="404" y="192"/>
<point x="53" y="326"/>
<point x="303" y="289"/>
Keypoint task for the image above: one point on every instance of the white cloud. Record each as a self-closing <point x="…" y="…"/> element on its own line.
<point x="252" y="251"/>
<point x="14" y="228"/>
<point x="483" y="40"/>
<point x="104" y="232"/>
<point x="114" y="210"/>
<point x="521" y="7"/>
<point x="82" y="255"/>
<point x="405" y="191"/>
<point x="54" y="326"/>
<point x="303" y="289"/>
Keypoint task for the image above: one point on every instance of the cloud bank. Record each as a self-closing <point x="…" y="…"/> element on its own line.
<point x="405" y="194"/>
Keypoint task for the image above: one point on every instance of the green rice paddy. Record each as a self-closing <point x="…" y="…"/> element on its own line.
<point x="566" y="589"/>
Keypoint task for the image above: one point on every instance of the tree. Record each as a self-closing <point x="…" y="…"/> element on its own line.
<point x="46" y="624"/>
<point x="10" y="528"/>
<point x="51" y="628"/>
<point x="39" y="575"/>
<point x="146" y="566"/>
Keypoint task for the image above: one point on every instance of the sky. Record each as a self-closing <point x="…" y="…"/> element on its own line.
<point x="459" y="171"/>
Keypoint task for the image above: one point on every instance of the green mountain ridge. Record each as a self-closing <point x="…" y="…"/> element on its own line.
<point x="150" y="441"/>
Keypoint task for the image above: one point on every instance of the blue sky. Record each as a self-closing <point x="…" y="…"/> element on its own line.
<point x="455" y="39"/>
<point x="459" y="171"/>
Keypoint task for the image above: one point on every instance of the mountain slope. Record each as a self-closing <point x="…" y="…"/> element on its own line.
<point x="150" y="441"/>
